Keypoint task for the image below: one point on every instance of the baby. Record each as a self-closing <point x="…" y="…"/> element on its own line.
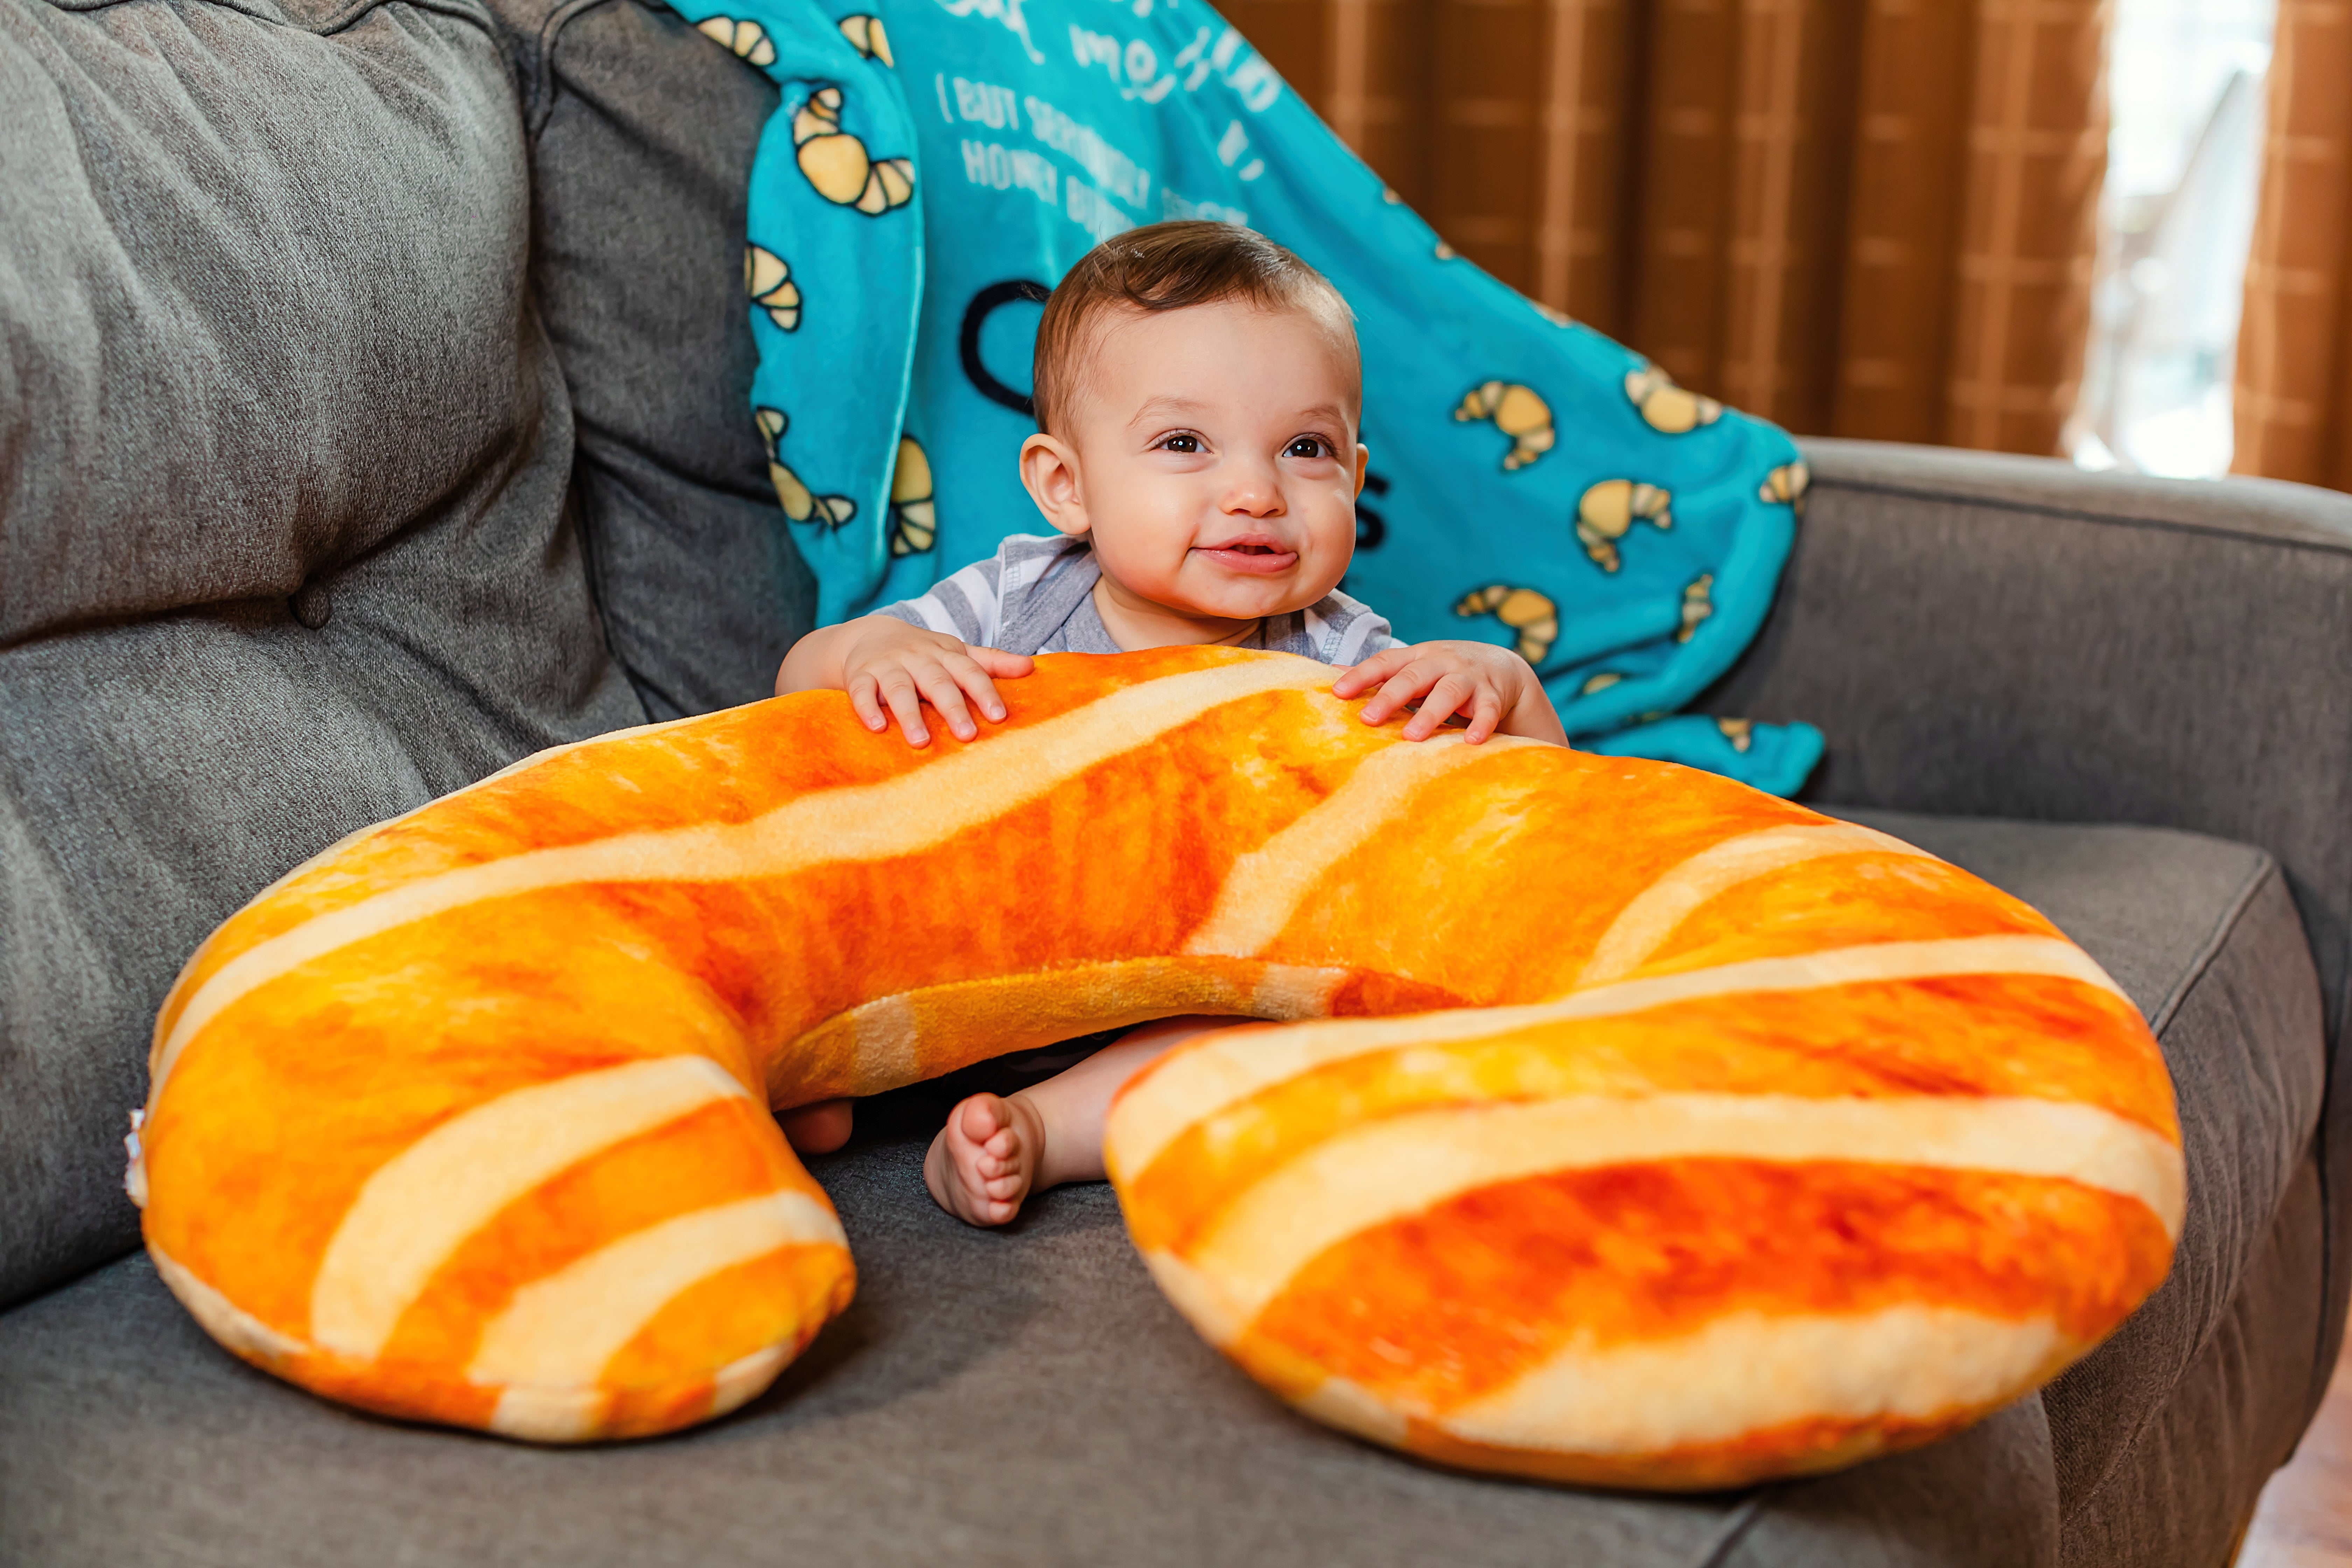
<point x="1197" y="393"/>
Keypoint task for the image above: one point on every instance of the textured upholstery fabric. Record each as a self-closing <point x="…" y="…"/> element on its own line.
<point x="2008" y="636"/>
<point x="283" y="546"/>
<point x="258" y="316"/>
<point x="641" y="140"/>
<point x="2199" y="1461"/>
<point x="132" y="1440"/>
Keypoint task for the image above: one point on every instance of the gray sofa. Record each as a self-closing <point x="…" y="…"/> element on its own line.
<point x="372" y="391"/>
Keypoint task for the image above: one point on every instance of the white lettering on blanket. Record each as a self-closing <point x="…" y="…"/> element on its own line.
<point x="1172" y="205"/>
<point x="1108" y="167"/>
<point x="989" y="104"/>
<point x="1093" y="210"/>
<point x="986" y="163"/>
<point x="1006" y="11"/>
<point x="1241" y="69"/>
<point x="1133" y="65"/>
<point x="1232" y="145"/>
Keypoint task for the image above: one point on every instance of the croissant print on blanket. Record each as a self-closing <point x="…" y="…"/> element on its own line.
<point x="1637" y="1127"/>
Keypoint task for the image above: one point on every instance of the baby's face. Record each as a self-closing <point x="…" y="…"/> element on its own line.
<point x="1217" y="463"/>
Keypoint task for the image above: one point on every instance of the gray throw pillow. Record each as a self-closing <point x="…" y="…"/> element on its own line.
<point x="284" y="544"/>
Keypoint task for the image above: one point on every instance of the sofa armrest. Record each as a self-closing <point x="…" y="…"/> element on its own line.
<point x="1983" y="635"/>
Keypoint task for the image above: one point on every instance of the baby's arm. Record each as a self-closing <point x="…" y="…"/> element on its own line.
<point x="1492" y="686"/>
<point x="884" y="662"/>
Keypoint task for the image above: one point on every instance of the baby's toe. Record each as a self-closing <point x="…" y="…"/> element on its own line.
<point x="982" y="1119"/>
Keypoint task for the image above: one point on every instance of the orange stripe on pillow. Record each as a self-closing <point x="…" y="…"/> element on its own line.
<point x="1453" y="1303"/>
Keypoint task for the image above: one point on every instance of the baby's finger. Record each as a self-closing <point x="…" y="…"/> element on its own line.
<point x="907" y="705"/>
<point x="1449" y="693"/>
<point x="865" y="702"/>
<point x="940" y="690"/>
<point x="1486" y="714"/>
<point x="1364" y="675"/>
<point x="970" y="675"/>
<point x="1002" y="665"/>
<point x="1402" y="688"/>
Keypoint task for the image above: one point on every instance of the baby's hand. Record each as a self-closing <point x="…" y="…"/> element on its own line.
<point x="885" y="664"/>
<point x="1492" y="686"/>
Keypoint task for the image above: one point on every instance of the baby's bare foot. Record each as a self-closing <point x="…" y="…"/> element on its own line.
<point x="985" y="1159"/>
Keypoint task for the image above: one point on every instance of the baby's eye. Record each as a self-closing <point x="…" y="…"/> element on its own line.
<point x="1181" y="442"/>
<point x="1307" y="447"/>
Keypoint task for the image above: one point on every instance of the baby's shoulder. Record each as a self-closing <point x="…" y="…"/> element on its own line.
<point x="1339" y="629"/>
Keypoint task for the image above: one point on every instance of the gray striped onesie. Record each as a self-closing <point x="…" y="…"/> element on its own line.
<point x="1035" y="595"/>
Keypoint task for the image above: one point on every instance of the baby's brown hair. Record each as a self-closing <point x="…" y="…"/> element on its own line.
<point x="1168" y="267"/>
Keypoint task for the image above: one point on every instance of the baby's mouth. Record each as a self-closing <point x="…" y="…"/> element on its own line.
<point x="1253" y="553"/>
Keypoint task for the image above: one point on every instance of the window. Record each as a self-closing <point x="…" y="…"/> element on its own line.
<point x="2185" y="80"/>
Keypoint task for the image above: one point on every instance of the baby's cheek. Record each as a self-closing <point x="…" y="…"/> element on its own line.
<point x="1144" y="528"/>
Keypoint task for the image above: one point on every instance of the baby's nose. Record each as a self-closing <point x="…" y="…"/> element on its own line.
<point x="1255" y="497"/>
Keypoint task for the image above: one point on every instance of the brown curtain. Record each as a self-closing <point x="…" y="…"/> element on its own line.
<point x="1859" y="217"/>
<point x="2289" y="399"/>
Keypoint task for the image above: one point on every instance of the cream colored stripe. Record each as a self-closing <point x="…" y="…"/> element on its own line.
<point x="1211" y="1076"/>
<point x="558" y="1332"/>
<point x="1266" y="887"/>
<point x="1643" y="926"/>
<point x="1069" y="1000"/>
<point x="1741" y="1373"/>
<point x="860" y="821"/>
<point x="1386" y="1170"/>
<point x="739" y="1381"/>
<point x="359" y="835"/>
<point x="574" y="1415"/>
<point x="424" y="1201"/>
<point x="888" y="1040"/>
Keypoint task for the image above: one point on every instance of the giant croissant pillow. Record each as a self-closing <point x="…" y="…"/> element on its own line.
<point x="1637" y="1127"/>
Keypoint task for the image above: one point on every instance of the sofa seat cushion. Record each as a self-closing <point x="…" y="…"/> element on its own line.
<point x="1027" y="1395"/>
<point x="991" y="1398"/>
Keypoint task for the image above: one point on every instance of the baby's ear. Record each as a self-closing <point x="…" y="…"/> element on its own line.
<point x="1363" y="466"/>
<point x="1049" y="472"/>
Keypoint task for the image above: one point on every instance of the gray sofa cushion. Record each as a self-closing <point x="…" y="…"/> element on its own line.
<point x="1025" y="1396"/>
<point x="257" y="313"/>
<point x="2231" y="1416"/>
<point x="641" y="132"/>
<point x="283" y="547"/>
<point x="990" y="1399"/>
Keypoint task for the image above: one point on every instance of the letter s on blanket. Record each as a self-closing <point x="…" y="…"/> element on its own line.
<point x="1639" y="1128"/>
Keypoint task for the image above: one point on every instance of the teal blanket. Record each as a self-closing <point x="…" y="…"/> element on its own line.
<point x="934" y="165"/>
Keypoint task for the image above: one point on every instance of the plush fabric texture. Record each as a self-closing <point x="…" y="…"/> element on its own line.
<point x="261" y="287"/>
<point x="284" y="542"/>
<point x="2204" y="937"/>
<point x="932" y="170"/>
<point x="1873" y="1125"/>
